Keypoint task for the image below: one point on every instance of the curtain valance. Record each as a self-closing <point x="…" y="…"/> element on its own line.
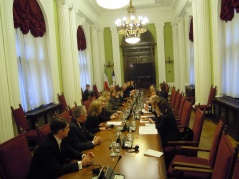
<point x="81" y="42"/>
<point x="28" y="16"/>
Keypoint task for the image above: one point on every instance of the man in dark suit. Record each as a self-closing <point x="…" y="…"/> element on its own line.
<point x="86" y="94"/>
<point x="79" y="137"/>
<point x="49" y="160"/>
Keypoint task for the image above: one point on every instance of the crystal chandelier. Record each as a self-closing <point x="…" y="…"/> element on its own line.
<point x="112" y="4"/>
<point x="131" y="28"/>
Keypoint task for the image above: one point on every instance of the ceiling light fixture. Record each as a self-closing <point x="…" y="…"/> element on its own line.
<point x="131" y="28"/>
<point x="112" y="4"/>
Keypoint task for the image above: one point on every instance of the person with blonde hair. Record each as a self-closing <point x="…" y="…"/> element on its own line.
<point x="110" y="108"/>
<point x="92" y="123"/>
<point x="105" y="115"/>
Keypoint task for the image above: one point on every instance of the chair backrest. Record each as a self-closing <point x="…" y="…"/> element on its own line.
<point x="180" y="111"/>
<point x="93" y="98"/>
<point x="173" y="96"/>
<point x="172" y="92"/>
<point x="65" y="115"/>
<point x="197" y="125"/>
<point x="62" y="100"/>
<point x="212" y="94"/>
<point x="15" y="158"/>
<point x="86" y="104"/>
<point x="43" y="131"/>
<point x="177" y="101"/>
<point x="215" y="143"/>
<point x="96" y="91"/>
<point x="186" y="114"/>
<point x="71" y="110"/>
<point x="167" y="87"/>
<point x="226" y="155"/>
<point x="20" y="119"/>
<point x="236" y="170"/>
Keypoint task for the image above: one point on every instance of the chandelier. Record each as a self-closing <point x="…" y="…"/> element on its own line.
<point x="112" y="4"/>
<point x="131" y="28"/>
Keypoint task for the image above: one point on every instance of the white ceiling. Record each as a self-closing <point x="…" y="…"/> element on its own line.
<point x="138" y="4"/>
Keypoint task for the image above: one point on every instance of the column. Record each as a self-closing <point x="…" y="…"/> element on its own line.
<point x="102" y="57"/>
<point x="161" y="51"/>
<point x="181" y="55"/>
<point x="96" y="56"/>
<point x="75" y="61"/>
<point x="66" y="52"/>
<point x="116" y="55"/>
<point x="188" y="47"/>
<point x="216" y="41"/>
<point x="6" y="125"/>
<point x="202" y="61"/>
<point x="175" y="53"/>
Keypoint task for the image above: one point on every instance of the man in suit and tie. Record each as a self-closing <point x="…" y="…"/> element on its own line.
<point x="49" y="160"/>
<point x="79" y="137"/>
<point x="86" y="94"/>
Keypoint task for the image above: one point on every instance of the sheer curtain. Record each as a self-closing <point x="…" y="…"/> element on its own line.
<point x="230" y="57"/>
<point x="192" y="71"/>
<point x="84" y="72"/>
<point x="34" y="72"/>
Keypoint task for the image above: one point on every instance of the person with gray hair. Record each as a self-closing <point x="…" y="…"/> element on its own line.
<point x="79" y="137"/>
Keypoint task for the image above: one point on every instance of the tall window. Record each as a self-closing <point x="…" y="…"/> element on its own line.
<point x="32" y="55"/>
<point x="230" y="57"/>
<point x="82" y="56"/>
<point x="34" y="73"/>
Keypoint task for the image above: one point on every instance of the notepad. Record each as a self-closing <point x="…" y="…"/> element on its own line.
<point x="147" y="130"/>
<point x="153" y="153"/>
<point x="116" y="123"/>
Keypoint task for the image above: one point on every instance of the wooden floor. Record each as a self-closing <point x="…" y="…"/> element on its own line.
<point x="207" y="134"/>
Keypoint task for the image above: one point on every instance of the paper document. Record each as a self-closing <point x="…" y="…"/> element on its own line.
<point x="147" y="130"/>
<point x="116" y="123"/>
<point x="148" y="115"/>
<point x="144" y="121"/>
<point x="148" y="124"/>
<point x="144" y="111"/>
<point x="153" y="153"/>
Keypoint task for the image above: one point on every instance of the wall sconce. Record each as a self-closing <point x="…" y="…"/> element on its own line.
<point x="109" y="65"/>
<point x="169" y="60"/>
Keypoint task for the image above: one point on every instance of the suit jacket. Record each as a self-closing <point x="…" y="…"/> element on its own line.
<point x="79" y="137"/>
<point x="114" y="101"/>
<point x="86" y="95"/>
<point x="50" y="162"/>
<point x="104" y="116"/>
<point x="92" y="124"/>
<point x="167" y="127"/>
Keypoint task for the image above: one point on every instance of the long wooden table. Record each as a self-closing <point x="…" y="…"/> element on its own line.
<point x="132" y="165"/>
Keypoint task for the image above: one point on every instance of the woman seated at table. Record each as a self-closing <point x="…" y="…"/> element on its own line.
<point x="105" y="115"/>
<point x="92" y="123"/>
<point x="110" y="108"/>
<point x="165" y="122"/>
<point x="114" y="99"/>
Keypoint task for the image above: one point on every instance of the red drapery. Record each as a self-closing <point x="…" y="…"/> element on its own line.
<point x="227" y="9"/>
<point x="81" y="42"/>
<point x="28" y="16"/>
<point x="191" y="30"/>
<point x="235" y="4"/>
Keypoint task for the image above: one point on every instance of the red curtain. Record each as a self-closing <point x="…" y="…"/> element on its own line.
<point x="28" y="16"/>
<point x="227" y="10"/>
<point x="235" y="4"/>
<point x="81" y="42"/>
<point x="191" y="30"/>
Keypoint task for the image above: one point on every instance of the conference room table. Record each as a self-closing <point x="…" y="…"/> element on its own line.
<point x="134" y="165"/>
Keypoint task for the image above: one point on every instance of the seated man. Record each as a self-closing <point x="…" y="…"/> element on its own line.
<point x="49" y="160"/>
<point x="79" y="137"/>
<point x="86" y="94"/>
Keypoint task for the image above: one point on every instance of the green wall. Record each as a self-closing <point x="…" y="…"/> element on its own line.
<point x="58" y="45"/>
<point x="108" y="52"/>
<point x="168" y="39"/>
<point x="168" y="46"/>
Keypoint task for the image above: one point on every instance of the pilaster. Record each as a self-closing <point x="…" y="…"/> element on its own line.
<point x="161" y="51"/>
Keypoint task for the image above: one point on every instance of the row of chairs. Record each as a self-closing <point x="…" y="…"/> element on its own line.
<point x="222" y="162"/>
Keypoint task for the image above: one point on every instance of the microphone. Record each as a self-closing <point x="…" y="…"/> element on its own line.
<point x="115" y="165"/>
